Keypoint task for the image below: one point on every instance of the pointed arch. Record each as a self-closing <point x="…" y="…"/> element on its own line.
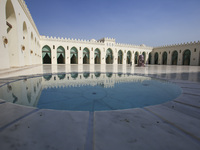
<point x="129" y="57"/>
<point x="73" y="55"/>
<point x="120" y="57"/>
<point x="186" y="57"/>
<point x="150" y="58"/>
<point x="144" y="54"/>
<point x="164" y="58"/>
<point x="60" y="55"/>
<point x="136" y="57"/>
<point x="174" y="57"/>
<point x="12" y="34"/>
<point x="156" y="58"/>
<point x="109" y="56"/>
<point x="97" y="56"/>
<point x="86" y="56"/>
<point x="46" y="54"/>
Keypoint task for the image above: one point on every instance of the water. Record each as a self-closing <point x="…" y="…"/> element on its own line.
<point x="89" y="91"/>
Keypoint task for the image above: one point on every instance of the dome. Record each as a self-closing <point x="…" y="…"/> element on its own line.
<point x="143" y="45"/>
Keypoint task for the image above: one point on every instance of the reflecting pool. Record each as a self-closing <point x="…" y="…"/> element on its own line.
<point x="89" y="91"/>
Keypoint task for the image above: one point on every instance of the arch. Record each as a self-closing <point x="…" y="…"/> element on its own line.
<point x="109" y="56"/>
<point x="120" y="57"/>
<point x="97" y="56"/>
<point x="136" y="57"/>
<point x="174" y="57"/>
<point x="12" y="34"/>
<point x="150" y="58"/>
<point x="46" y="54"/>
<point x="60" y="55"/>
<point x="74" y="55"/>
<point x="164" y="58"/>
<point x="144" y="54"/>
<point x="128" y="60"/>
<point x="186" y="57"/>
<point x="156" y="58"/>
<point x="25" y="43"/>
<point x="86" y="56"/>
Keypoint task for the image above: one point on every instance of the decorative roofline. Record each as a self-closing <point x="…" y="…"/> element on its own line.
<point x="99" y="42"/>
<point x="70" y="40"/>
<point x="176" y="45"/>
<point x="28" y="14"/>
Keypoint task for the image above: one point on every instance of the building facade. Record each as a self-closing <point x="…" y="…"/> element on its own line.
<point x="21" y="45"/>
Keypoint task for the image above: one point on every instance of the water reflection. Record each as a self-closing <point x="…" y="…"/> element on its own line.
<point x="86" y="91"/>
<point x="86" y="75"/>
<point x="61" y="76"/>
<point x="47" y="77"/>
<point x="74" y="75"/>
<point x="109" y="75"/>
<point x="97" y="74"/>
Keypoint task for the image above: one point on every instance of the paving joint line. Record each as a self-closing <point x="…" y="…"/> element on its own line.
<point x="18" y="119"/>
<point x="188" y="134"/>
<point x="90" y="133"/>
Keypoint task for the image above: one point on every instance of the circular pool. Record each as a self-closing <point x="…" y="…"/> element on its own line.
<point x="89" y="91"/>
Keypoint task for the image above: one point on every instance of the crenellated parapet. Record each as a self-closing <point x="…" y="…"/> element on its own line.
<point x="28" y="14"/>
<point x="71" y="40"/>
<point x="102" y="42"/>
<point x="133" y="46"/>
<point x="179" y="45"/>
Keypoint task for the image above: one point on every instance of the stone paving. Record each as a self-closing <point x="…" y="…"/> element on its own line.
<point x="174" y="125"/>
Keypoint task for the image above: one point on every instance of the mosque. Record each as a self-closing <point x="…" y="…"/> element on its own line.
<point x="22" y="45"/>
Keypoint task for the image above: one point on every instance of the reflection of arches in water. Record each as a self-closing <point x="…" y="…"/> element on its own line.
<point x="86" y="74"/>
<point x="186" y="57"/>
<point x="164" y="58"/>
<point x="97" y="74"/>
<point x="149" y="58"/>
<point x="46" y="54"/>
<point x="74" y="55"/>
<point x="128" y="57"/>
<point x="61" y="76"/>
<point x="120" y="57"/>
<point x="174" y="58"/>
<point x="156" y="58"/>
<point x="74" y="75"/>
<point x="119" y="74"/>
<point x="109" y="75"/>
<point x="47" y="77"/>
<point x="136" y="57"/>
<point x="109" y="56"/>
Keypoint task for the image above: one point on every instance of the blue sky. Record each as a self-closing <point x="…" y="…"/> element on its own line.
<point x="149" y="22"/>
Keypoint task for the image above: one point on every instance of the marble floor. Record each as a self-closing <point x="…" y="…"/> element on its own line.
<point x="174" y="125"/>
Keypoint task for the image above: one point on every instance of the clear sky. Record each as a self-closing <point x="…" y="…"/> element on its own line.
<point x="149" y="22"/>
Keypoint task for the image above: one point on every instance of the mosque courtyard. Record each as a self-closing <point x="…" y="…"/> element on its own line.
<point x="174" y="125"/>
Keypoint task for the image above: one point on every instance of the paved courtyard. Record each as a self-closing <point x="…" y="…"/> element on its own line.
<point x="174" y="125"/>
